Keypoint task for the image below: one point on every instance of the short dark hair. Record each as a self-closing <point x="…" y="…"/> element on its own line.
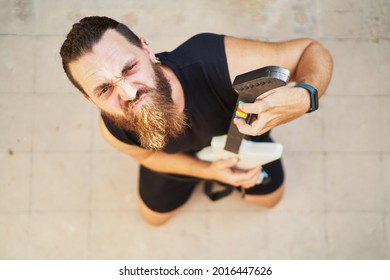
<point x="84" y="35"/>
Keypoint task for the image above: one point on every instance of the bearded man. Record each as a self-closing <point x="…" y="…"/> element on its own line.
<point x="163" y="108"/>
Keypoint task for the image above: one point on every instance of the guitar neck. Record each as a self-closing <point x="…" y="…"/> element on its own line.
<point x="249" y="86"/>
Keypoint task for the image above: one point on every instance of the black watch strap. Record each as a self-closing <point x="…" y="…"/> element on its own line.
<point x="313" y="96"/>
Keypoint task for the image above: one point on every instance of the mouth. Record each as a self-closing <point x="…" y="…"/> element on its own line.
<point x="138" y="102"/>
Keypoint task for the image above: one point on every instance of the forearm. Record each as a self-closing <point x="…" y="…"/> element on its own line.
<point x="315" y="67"/>
<point x="311" y="64"/>
<point x="222" y="170"/>
<point x="180" y="164"/>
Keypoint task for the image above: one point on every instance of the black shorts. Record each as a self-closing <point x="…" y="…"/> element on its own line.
<point x="166" y="192"/>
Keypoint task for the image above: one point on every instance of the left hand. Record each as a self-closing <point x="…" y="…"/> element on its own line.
<point x="275" y="107"/>
<point x="223" y="170"/>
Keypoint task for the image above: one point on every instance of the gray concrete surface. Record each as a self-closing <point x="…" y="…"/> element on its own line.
<point x="65" y="194"/>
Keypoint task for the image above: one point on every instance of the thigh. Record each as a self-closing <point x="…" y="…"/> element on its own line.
<point x="164" y="193"/>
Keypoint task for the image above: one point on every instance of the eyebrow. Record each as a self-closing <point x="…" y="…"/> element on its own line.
<point x="128" y="64"/>
<point x="100" y="87"/>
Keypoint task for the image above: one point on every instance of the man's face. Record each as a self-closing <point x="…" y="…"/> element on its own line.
<point x="124" y="83"/>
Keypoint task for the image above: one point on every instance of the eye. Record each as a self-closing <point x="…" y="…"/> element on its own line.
<point x="128" y="69"/>
<point x="104" y="90"/>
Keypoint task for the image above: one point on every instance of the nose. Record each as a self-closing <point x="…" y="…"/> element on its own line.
<point x="126" y="91"/>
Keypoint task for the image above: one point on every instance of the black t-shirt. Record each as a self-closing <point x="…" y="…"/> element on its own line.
<point x="201" y="67"/>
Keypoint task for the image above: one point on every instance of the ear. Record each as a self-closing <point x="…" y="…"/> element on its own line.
<point x="147" y="49"/>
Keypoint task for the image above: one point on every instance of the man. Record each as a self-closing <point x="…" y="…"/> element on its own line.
<point x="161" y="109"/>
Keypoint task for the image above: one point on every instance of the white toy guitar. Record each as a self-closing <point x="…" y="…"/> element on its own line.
<point x="251" y="154"/>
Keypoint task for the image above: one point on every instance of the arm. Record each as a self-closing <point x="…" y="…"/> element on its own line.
<point x="183" y="164"/>
<point x="308" y="63"/>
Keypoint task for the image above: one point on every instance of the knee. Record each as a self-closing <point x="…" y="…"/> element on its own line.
<point x="262" y="203"/>
<point x="271" y="204"/>
<point x="152" y="217"/>
<point x="154" y="221"/>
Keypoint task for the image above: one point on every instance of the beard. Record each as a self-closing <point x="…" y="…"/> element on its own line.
<point x="157" y="120"/>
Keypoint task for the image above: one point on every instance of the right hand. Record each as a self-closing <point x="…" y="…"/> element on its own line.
<point x="223" y="170"/>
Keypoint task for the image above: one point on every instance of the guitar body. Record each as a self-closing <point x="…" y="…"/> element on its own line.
<point x="251" y="154"/>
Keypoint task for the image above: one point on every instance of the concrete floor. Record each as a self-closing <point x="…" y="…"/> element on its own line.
<point x="65" y="194"/>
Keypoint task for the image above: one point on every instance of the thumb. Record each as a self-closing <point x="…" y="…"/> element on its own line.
<point x="227" y="163"/>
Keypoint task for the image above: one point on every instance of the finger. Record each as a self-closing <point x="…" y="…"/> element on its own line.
<point x="255" y="127"/>
<point x="226" y="163"/>
<point x="253" y="180"/>
<point x="250" y="184"/>
<point x="248" y="177"/>
<point x="254" y="172"/>
<point x="258" y="125"/>
<point x="258" y="107"/>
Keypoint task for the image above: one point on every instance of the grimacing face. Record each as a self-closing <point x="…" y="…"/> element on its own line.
<point x="133" y="92"/>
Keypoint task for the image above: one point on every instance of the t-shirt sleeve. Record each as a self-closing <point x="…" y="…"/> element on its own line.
<point x="121" y="135"/>
<point x="207" y="50"/>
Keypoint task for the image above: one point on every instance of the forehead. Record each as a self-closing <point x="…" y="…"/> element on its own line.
<point x="105" y="60"/>
<point x="112" y="42"/>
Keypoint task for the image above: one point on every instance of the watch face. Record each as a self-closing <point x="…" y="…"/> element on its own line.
<point x="316" y="103"/>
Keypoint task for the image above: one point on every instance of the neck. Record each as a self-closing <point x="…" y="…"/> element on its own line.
<point x="177" y="90"/>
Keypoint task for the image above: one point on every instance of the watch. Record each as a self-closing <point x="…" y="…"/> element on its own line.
<point x="313" y="96"/>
